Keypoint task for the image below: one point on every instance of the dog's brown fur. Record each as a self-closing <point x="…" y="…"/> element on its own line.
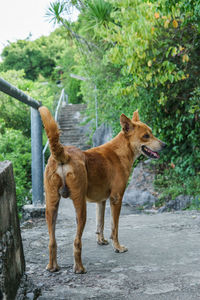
<point x="93" y="175"/>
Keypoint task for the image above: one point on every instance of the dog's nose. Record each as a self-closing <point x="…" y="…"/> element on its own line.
<point x="164" y="145"/>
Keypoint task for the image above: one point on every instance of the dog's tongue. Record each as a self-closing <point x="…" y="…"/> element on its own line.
<point x="154" y="154"/>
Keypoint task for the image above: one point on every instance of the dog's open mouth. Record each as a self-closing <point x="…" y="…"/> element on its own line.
<point x="150" y="153"/>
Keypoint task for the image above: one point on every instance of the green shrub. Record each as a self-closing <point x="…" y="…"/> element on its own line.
<point x="150" y="61"/>
<point x="15" y="123"/>
<point x="15" y="147"/>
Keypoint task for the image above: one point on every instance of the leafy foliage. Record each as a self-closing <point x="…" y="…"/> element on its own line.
<point x="23" y="56"/>
<point x="15" y="142"/>
<point x="14" y="146"/>
<point x="170" y="184"/>
<point x="68" y="66"/>
<point x="55" y="11"/>
<point x="139" y="54"/>
<point x="15" y="114"/>
<point x="146" y="57"/>
<point x="95" y="14"/>
<point x="36" y="58"/>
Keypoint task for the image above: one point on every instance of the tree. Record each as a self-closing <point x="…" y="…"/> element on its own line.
<point x="37" y="57"/>
<point x="24" y="55"/>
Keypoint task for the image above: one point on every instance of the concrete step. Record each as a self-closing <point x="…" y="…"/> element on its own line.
<point x="75" y="134"/>
<point x="72" y="133"/>
<point x="72" y="139"/>
<point x="70" y="120"/>
<point x="72" y="129"/>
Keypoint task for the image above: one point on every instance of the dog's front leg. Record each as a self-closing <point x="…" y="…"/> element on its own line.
<point x="80" y="207"/>
<point x="115" y="205"/>
<point x="100" y="212"/>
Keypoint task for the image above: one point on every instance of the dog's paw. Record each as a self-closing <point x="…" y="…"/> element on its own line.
<point x="52" y="269"/>
<point x="120" y="249"/>
<point x="102" y="242"/>
<point x="79" y="270"/>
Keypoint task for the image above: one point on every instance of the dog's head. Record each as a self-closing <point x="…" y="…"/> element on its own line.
<point x="140" y="137"/>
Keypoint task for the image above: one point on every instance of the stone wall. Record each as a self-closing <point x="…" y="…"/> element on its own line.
<point x="12" y="263"/>
<point x="140" y="193"/>
<point x="102" y="135"/>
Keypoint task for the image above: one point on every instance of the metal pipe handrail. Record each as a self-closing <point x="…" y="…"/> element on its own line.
<point x="36" y="139"/>
<point x="14" y="92"/>
<point x="61" y="99"/>
<point x="37" y="166"/>
<point x="58" y="105"/>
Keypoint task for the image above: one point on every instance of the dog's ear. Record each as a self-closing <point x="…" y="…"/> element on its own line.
<point x="136" y="117"/>
<point x="126" y="124"/>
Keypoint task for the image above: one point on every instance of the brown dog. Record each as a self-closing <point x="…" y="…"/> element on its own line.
<point x="94" y="176"/>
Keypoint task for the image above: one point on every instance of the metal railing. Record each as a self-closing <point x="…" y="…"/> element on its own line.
<point x="36" y="139"/>
<point x="63" y="99"/>
<point x="37" y="163"/>
<point x="14" y="92"/>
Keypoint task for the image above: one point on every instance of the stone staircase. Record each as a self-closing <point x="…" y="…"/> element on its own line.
<point x="72" y="131"/>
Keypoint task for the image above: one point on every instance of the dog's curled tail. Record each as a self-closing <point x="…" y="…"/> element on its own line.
<point x="53" y="133"/>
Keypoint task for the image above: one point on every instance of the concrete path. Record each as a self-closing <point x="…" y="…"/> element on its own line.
<point x="163" y="261"/>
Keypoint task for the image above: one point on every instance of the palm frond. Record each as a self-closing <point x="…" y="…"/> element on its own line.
<point x="96" y="13"/>
<point x="55" y="14"/>
<point x="55" y="11"/>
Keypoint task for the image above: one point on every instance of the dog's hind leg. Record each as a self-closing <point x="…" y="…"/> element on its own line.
<point x="80" y="207"/>
<point x="52" y="203"/>
<point x="100" y="212"/>
<point x="115" y="205"/>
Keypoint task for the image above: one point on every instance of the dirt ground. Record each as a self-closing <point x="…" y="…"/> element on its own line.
<point x="162" y="262"/>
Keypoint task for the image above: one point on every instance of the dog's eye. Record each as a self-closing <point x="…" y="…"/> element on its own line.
<point x="146" y="136"/>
